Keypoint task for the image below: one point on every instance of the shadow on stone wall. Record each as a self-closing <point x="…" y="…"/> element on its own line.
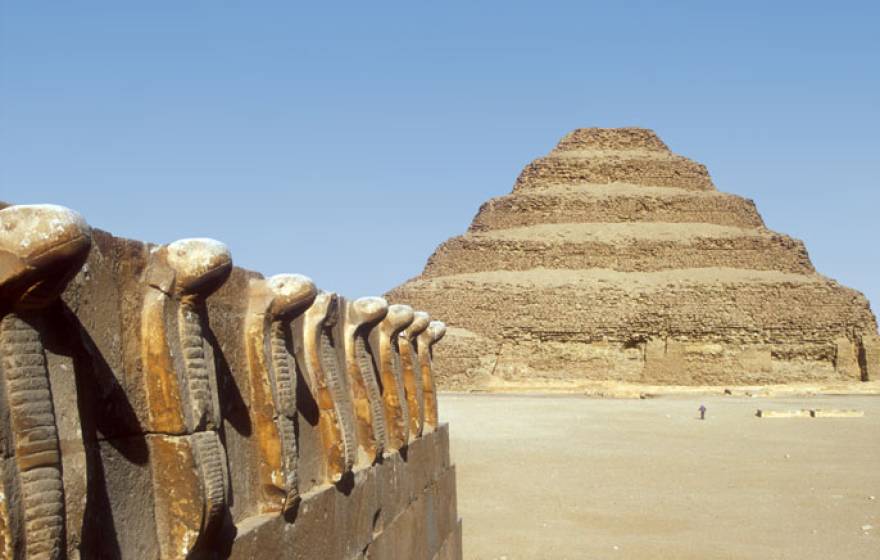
<point x="158" y="402"/>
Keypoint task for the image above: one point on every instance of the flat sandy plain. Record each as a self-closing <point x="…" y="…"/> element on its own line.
<point x="570" y="477"/>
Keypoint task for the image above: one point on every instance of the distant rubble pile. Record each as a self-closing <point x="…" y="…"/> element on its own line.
<point x="615" y="259"/>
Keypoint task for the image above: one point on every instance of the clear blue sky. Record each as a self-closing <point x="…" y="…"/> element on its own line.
<point x="345" y="141"/>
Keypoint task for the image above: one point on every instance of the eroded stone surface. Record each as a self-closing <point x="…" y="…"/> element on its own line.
<point x="273" y="303"/>
<point x="41" y="248"/>
<point x="328" y="384"/>
<point x="360" y="316"/>
<point x="411" y="370"/>
<point x="386" y="356"/>
<point x="426" y="341"/>
<point x="175" y="406"/>
<point x="614" y="259"/>
<point x="191" y="481"/>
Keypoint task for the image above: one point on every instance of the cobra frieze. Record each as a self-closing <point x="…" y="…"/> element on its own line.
<point x="41" y="248"/>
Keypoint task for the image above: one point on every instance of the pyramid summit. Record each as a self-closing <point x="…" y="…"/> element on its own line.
<point x="611" y="155"/>
<point x="615" y="259"/>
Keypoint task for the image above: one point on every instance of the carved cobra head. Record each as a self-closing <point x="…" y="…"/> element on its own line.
<point x="436" y="330"/>
<point x="41" y="248"/>
<point x="291" y="293"/>
<point x="420" y="323"/>
<point x="200" y="265"/>
<point x="398" y="318"/>
<point x="367" y="310"/>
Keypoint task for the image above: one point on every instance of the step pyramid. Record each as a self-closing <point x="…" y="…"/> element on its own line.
<point x="614" y="259"/>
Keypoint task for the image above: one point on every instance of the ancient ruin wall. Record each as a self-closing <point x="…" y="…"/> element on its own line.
<point x="158" y="402"/>
<point x="614" y="259"/>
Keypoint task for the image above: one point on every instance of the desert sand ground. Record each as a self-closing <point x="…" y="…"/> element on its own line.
<point x="573" y="477"/>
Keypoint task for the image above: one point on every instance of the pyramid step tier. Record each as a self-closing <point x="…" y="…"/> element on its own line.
<point x="611" y="139"/>
<point x="595" y="167"/>
<point x="714" y="325"/>
<point x="625" y="247"/>
<point x="613" y="203"/>
<point x="606" y="304"/>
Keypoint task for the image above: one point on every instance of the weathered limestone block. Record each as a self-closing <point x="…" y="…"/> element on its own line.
<point x="706" y="363"/>
<point x="793" y="413"/>
<point x="190" y="478"/>
<point x="273" y="383"/>
<point x="836" y="413"/>
<point x="41" y="248"/>
<point x="426" y="340"/>
<point x="360" y="316"/>
<point x="386" y="352"/>
<point x="869" y="357"/>
<point x="636" y="247"/>
<point x="615" y="203"/>
<point x="411" y="370"/>
<point x="846" y="358"/>
<point x="313" y="331"/>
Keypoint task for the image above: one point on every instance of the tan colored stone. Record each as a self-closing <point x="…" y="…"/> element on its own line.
<point x="386" y="353"/>
<point x="178" y="494"/>
<point x="411" y="369"/>
<point x="800" y="413"/>
<point x="181" y="383"/>
<point x="615" y="203"/>
<point x="614" y="259"/>
<point x="360" y="316"/>
<point x="869" y="357"/>
<point x="637" y="247"/>
<point x="426" y="340"/>
<point x="595" y="155"/>
<point x="41" y="248"/>
<point x="314" y="331"/>
<point x="273" y="383"/>
<point x="836" y="413"/>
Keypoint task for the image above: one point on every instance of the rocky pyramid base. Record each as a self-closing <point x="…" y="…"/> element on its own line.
<point x="689" y="327"/>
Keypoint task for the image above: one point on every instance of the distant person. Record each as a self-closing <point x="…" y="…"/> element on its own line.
<point x="702" y="412"/>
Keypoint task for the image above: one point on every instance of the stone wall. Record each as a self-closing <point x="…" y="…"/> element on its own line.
<point x="158" y="402"/>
